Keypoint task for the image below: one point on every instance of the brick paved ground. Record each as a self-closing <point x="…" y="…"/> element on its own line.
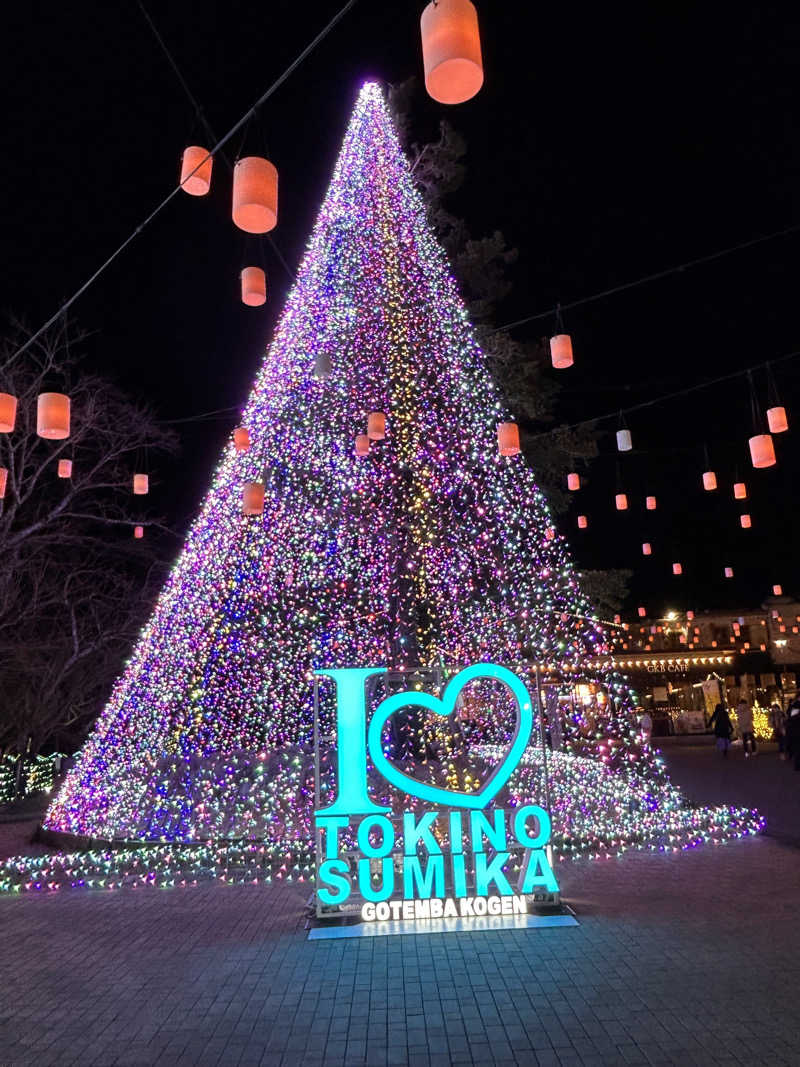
<point x="688" y="958"/>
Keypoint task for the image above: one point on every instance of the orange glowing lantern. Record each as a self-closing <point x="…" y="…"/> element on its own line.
<point x="561" y="351"/>
<point x="621" y="501"/>
<point x="362" y="445"/>
<point x="253" y="498"/>
<point x="451" y="50"/>
<point x="8" y="412"/>
<point x="739" y="491"/>
<point x="650" y="503"/>
<point x="255" y="195"/>
<point x="573" y="482"/>
<point x="65" y="468"/>
<point x="241" y="438"/>
<point x="777" y="590"/>
<point x="138" y="532"/>
<point x="776" y="420"/>
<point x="709" y="481"/>
<point x="196" y="167"/>
<point x="690" y="615"/>
<point x="254" y="286"/>
<point x="746" y="521"/>
<point x="583" y="522"/>
<point x="647" y="549"/>
<point x="141" y="484"/>
<point x="624" y="442"/>
<point x="762" y="450"/>
<point x="3" y="482"/>
<point x="376" y="426"/>
<point x="677" y="568"/>
<point x="729" y="572"/>
<point x="52" y="416"/>
<point x="508" y="438"/>
<point x="642" y="613"/>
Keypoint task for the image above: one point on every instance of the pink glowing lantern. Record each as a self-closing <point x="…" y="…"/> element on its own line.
<point x="776" y="420"/>
<point x="561" y="351"/>
<point x="762" y="451"/>
<point x="196" y="167"/>
<point x="508" y="438"/>
<point x="52" y="416"/>
<point x="8" y="412"/>
<point x="451" y="51"/>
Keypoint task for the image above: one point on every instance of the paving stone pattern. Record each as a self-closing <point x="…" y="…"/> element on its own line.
<point x="684" y="958"/>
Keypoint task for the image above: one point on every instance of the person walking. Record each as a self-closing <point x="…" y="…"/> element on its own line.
<point x="793" y="733"/>
<point x="777" y="720"/>
<point x="721" y="725"/>
<point x="744" y="718"/>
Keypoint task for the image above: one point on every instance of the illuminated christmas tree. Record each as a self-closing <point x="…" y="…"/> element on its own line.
<point x="431" y="550"/>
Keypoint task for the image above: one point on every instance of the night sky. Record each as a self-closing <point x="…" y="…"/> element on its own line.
<point x="605" y="147"/>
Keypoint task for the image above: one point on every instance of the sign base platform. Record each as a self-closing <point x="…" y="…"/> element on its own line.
<point x="475" y="924"/>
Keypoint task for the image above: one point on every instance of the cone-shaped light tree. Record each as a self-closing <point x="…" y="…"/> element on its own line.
<point x="432" y="548"/>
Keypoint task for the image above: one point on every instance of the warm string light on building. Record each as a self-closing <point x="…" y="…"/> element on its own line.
<point x="431" y="547"/>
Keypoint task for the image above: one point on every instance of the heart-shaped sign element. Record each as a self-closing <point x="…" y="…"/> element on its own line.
<point x="444" y="707"/>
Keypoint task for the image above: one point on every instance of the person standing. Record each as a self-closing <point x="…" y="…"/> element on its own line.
<point x="744" y="717"/>
<point x="793" y="733"/>
<point x="777" y="720"/>
<point x="721" y="725"/>
<point x="646" y="726"/>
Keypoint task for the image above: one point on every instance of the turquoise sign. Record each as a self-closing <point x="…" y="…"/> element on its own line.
<point x="432" y="883"/>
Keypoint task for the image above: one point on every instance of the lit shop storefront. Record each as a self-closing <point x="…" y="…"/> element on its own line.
<point x="680" y="691"/>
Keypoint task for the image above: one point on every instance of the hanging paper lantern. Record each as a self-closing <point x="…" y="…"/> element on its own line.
<point x="561" y="351"/>
<point x="52" y="416"/>
<point x="254" y="286"/>
<point x="624" y="442"/>
<point x="647" y="549"/>
<point x="322" y="366"/>
<point x="141" y="484"/>
<point x="777" y="590"/>
<point x="573" y="482"/>
<point x="677" y="568"/>
<point x="729" y="572"/>
<point x="8" y="412"/>
<point x="776" y="420"/>
<point x="362" y="445"/>
<point x="3" y="482"/>
<point x="241" y="438"/>
<point x="253" y="499"/>
<point x="642" y="613"/>
<point x="508" y="438"/>
<point x="762" y="450"/>
<point x="650" y="503"/>
<point x="745" y="521"/>
<point x="255" y="195"/>
<point x="549" y="533"/>
<point x="583" y="522"/>
<point x="451" y="51"/>
<point x="690" y="615"/>
<point x="376" y="426"/>
<point x="621" y="501"/>
<point x="739" y="491"/>
<point x="138" y="532"/>
<point x="65" y="468"/>
<point x="709" y="481"/>
<point x="196" y="166"/>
